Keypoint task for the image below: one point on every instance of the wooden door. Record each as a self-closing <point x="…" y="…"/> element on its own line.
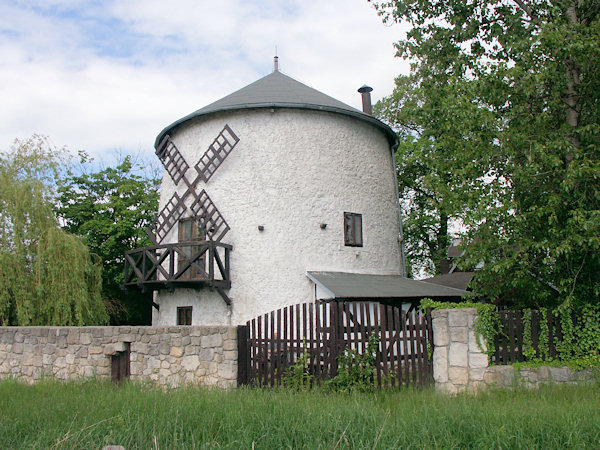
<point x="189" y="230"/>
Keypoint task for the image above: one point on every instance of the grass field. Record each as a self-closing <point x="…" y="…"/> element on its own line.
<point x="92" y="414"/>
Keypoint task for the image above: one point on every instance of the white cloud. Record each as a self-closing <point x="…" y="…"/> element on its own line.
<point x="100" y="76"/>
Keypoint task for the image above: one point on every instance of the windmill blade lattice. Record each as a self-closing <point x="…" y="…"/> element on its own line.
<point x="216" y="153"/>
<point x="202" y="206"/>
<point x="167" y="218"/>
<point x="211" y="218"/>
<point x="172" y="160"/>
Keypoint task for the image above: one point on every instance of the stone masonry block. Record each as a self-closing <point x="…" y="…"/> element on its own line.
<point x="560" y="374"/>
<point x="440" y="364"/>
<point x="439" y="314"/>
<point x="177" y="352"/>
<point x="61" y="341"/>
<point x="459" y="334"/>
<point x="458" y="354"/>
<point x="190" y="363"/>
<point x="458" y="375"/>
<point x="501" y="376"/>
<point x="231" y="333"/>
<point x="113" y="349"/>
<point x="164" y="348"/>
<point x="139" y="347"/>
<point x="73" y="337"/>
<point x="195" y="331"/>
<point x="127" y="337"/>
<point x="230" y="344"/>
<point x="478" y="360"/>
<point x="97" y="332"/>
<point x="471" y="317"/>
<point x="212" y="340"/>
<point x="543" y="373"/>
<point x="206" y="354"/>
<point x="228" y="371"/>
<point x="440" y="332"/>
<point x="457" y="317"/>
<point x="477" y="374"/>
<point x="230" y="355"/>
<point x="120" y="346"/>
<point x="473" y="345"/>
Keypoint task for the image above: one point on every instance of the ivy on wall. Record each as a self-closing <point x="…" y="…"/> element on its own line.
<point x="578" y="345"/>
<point x="486" y="325"/>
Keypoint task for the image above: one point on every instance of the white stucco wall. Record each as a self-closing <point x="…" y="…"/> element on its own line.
<point x="291" y="171"/>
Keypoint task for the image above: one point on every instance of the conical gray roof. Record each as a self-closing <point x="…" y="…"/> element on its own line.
<point x="277" y="90"/>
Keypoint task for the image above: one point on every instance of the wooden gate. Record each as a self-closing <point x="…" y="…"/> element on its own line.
<point x="270" y="344"/>
<point x="119" y="365"/>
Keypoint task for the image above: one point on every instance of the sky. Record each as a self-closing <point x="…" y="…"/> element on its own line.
<point x="107" y="76"/>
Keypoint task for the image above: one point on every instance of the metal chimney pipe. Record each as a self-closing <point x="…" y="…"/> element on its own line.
<point x="365" y="92"/>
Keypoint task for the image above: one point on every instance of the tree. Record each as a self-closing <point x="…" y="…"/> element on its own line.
<point x="438" y="185"/>
<point x="47" y="276"/>
<point x="111" y="209"/>
<point x="510" y="89"/>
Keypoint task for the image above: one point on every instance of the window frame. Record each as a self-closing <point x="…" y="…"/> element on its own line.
<point x="353" y="229"/>
<point x="184" y="312"/>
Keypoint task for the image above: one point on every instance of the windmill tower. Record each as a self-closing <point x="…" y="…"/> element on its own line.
<point x="262" y="188"/>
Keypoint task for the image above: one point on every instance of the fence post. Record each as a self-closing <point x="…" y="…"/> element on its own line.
<point x="333" y="336"/>
<point x="243" y="353"/>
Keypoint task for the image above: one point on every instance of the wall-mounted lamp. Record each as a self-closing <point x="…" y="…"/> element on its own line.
<point x="323" y="226"/>
<point x="261" y="228"/>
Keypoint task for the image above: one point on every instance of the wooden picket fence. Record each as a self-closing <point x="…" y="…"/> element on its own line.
<point x="509" y="341"/>
<point x="270" y="344"/>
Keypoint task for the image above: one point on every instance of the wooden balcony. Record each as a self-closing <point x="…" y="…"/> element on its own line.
<point x="190" y="264"/>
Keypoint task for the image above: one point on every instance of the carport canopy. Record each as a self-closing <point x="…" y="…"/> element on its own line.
<point x="350" y="285"/>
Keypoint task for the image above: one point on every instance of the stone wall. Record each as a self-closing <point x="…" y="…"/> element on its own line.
<point x="460" y="363"/>
<point x="167" y="356"/>
<point x="532" y="377"/>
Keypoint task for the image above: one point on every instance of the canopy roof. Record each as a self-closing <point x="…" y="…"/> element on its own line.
<point x="348" y="285"/>
<point x="458" y="280"/>
<point x="277" y="90"/>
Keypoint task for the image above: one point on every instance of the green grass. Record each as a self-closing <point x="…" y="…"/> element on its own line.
<point x="92" y="414"/>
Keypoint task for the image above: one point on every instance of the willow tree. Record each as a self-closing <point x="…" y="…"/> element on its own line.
<point x="509" y="90"/>
<point x="47" y="276"/>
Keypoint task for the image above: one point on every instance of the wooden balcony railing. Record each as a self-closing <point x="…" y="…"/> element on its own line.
<point x="190" y="264"/>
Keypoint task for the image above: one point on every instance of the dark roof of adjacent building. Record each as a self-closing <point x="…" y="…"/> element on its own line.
<point x="457" y="280"/>
<point x="348" y="285"/>
<point x="277" y="90"/>
<point x="454" y="251"/>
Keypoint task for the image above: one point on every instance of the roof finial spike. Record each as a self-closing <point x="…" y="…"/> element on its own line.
<point x="276" y="64"/>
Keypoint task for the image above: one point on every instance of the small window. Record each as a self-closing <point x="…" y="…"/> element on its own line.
<point x="184" y="315"/>
<point x="353" y="229"/>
